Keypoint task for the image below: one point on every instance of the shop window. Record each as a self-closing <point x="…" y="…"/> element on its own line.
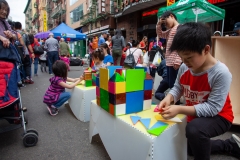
<point x="77" y="14"/>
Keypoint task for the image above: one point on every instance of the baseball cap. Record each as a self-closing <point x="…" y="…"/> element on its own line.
<point x="105" y="32"/>
<point x="50" y="34"/>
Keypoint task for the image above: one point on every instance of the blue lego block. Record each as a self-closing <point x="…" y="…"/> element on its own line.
<point x="148" y="84"/>
<point x="112" y="70"/>
<point x="145" y="68"/>
<point x="97" y="82"/>
<point x="134" y="102"/>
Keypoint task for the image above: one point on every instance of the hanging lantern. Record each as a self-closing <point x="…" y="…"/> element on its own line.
<point x="68" y="39"/>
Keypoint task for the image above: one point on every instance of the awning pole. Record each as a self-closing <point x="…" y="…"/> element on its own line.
<point x="196" y="14"/>
<point x="222" y="26"/>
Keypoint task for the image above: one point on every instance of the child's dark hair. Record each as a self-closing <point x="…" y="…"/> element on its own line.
<point x="5" y="3"/>
<point x="98" y="53"/>
<point x="104" y="45"/>
<point x="191" y="37"/>
<point x="128" y="44"/>
<point x="167" y="14"/>
<point x="135" y="43"/>
<point x="60" y="69"/>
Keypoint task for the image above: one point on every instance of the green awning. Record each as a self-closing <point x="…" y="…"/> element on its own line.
<point x="194" y="11"/>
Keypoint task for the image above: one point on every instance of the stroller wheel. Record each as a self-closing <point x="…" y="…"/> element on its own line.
<point x="30" y="139"/>
<point x="31" y="130"/>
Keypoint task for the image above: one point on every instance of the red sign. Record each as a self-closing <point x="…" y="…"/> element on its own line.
<point x="216" y="1"/>
<point x="149" y="13"/>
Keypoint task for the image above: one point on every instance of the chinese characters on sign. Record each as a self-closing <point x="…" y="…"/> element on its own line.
<point x="170" y="2"/>
<point x="44" y="22"/>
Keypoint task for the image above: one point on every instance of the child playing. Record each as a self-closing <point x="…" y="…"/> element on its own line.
<point x="205" y="82"/>
<point x="65" y="59"/>
<point x="43" y="61"/>
<point x="98" y="57"/>
<point x="55" y="95"/>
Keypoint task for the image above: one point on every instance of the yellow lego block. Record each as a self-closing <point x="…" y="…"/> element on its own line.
<point x="120" y="87"/>
<point x="104" y="77"/>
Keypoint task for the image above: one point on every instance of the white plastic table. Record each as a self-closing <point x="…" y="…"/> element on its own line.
<point x="123" y="140"/>
<point x="80" y="101"/>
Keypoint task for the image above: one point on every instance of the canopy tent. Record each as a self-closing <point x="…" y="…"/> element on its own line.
<point x="64" y="31"/>
<point x="42" y="35"/>
<point x="195" y="10"/>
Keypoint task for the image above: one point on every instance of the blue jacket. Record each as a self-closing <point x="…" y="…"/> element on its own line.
<point x="162" y="69"/>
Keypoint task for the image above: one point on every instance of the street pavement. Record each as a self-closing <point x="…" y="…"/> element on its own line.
<point x="61" y="137"/>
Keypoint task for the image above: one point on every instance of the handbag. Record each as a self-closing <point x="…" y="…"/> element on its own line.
<point x="37" y="49"/>
<point x="129" y="61"/>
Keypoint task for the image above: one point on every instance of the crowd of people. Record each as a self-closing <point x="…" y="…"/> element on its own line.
<point x="189" y="70"/>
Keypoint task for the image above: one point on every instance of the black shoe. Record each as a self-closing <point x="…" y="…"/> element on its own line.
<point x="235" y="142"/>
<point x="52" y="111"/>
<point x="41" y="69"/>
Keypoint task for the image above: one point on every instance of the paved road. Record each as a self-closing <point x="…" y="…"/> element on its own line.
<point x="62" y="137"/>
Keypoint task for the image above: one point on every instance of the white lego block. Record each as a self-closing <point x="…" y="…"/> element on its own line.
<point x="120" y="109"/>
<point x="147" y="104"/>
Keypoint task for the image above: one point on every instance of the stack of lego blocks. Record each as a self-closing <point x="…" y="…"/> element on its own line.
<point x="124" y="91"/>
<point x="90" y="77"/>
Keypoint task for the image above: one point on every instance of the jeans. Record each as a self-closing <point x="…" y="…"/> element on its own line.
<point x="52" y="57"/>
<point x="117" y="54"/>
<point x="64" y="96"/>
<point x="172" y="76"/>
<point x="159" y="94"/>
<point x="36" y="60"/>
<point x="200" y="130"/>
<point x="27" y="67"/>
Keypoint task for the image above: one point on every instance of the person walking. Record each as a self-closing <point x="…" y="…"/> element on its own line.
<point x="35" y="60"/>
<point x="52" y="47"/>
<point x="118" y="43"/>
<point x="64" y="48"/>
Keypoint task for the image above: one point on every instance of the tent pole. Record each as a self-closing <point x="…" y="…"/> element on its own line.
<point x="196" y="14"/>
<point x="222" y="26"/>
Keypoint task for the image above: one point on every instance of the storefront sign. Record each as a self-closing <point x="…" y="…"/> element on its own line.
<point x="216" y="1"/>
<point x="45" y="22"/>
<point x="149" y="13"/>
<point x="170" y="2"/>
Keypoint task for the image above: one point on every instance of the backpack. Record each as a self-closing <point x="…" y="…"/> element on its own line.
<point x="129" y="61"/>
<point x="20" y="48"/>
<point x="8" y="81"/>
<point x="38" y="50"/>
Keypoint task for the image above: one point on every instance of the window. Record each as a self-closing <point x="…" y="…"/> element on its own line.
<point x="77" y="14"/>
<point x="72" y="2"/>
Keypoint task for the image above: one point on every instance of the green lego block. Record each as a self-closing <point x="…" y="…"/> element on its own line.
<point x="117" y="78"/>
<point x="88" y="83"/>
<point x="135" y="80"/>
<point x="104" y="99"/>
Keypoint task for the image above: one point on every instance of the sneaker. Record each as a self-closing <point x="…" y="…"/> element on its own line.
<point x="51" y="74"/>
<point x="52" y="111"/>
<point x="55" y="108"/>
<point x="35" y="74"/>
<point x="235" y="142"/>
<point x="29" y="80"/>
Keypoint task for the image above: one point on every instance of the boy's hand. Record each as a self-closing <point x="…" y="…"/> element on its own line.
<point x="164" y="103"/>
<point x="170" y="111"/>
<point x="176" y="66"/>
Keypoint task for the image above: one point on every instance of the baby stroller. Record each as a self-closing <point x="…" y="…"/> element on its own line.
<point x="10" y="96"/>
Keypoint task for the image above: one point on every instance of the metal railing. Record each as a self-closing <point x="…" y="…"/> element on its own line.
<point x="58" y="11"/>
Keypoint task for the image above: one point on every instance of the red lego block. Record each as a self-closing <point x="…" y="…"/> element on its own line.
<point x="97" y="91"/>
<point x="148" y="76"/>
<point x="98" y="101"/>
<point x="111" y="109"/>
<point x="147" y="94"/>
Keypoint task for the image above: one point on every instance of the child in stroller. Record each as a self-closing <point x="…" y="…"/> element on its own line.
<point x="10" y="96"/>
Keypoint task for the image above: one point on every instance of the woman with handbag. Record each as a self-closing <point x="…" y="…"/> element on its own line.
<point x="35" y="60"/>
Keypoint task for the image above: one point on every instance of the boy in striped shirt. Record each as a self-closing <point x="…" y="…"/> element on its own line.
<point x="173" y="61"/>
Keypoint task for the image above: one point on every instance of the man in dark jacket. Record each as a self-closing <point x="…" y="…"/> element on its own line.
<point x="162" y="71"/>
